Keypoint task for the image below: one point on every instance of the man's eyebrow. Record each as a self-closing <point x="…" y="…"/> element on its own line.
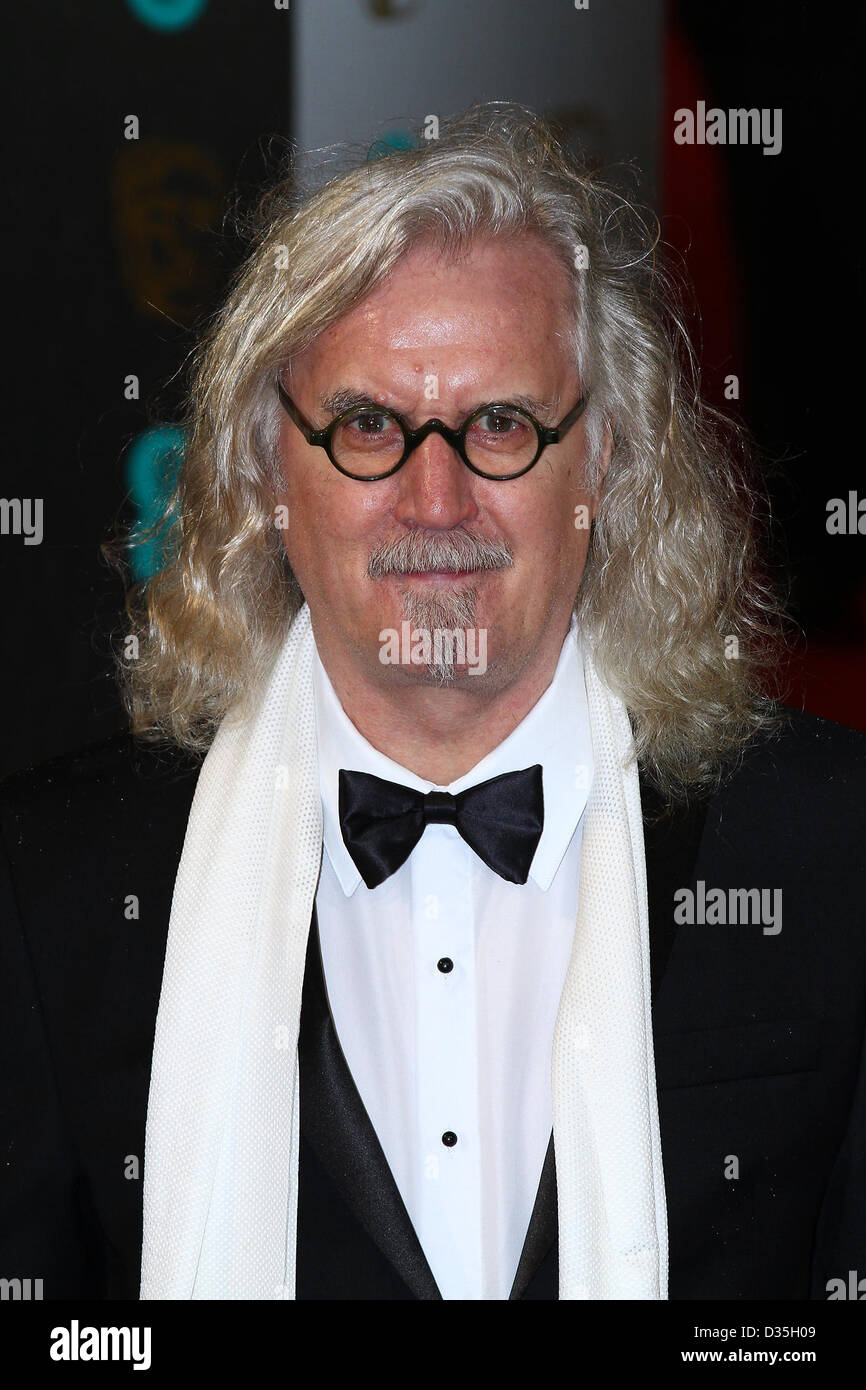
<point x="345" y="398"/>
<point x="349" y="398"/>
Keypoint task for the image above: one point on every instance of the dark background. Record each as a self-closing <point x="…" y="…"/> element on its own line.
<point x="115" y="249"/>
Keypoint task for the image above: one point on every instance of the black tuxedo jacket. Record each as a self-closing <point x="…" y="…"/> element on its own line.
<point x="759" y="1038"/>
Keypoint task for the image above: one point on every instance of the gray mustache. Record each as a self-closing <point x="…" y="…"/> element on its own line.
<point x="419" y="552"/>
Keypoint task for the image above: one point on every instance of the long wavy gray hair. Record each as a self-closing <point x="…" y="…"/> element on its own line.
<point x="675" y="600"/>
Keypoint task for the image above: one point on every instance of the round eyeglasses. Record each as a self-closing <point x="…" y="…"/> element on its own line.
<point x="366" y="442"/>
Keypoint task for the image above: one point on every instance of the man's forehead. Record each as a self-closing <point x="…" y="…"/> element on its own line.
<point x="432" y="298"/>
<point x="465" y="342"/>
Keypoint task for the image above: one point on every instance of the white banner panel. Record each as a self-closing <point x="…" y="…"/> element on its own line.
<point x="363" y="69"/>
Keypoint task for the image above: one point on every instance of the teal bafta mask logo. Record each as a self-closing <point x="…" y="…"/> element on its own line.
<point x="398" y="139"/>
<point x="167" y="15"/>
<point x="152" y="466"/>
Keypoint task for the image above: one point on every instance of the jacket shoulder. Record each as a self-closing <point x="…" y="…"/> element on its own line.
<point x="799" y="791"/>
<point x="107" y="796"/>
<point x="822" y="759"/>
<point x="114" y="763"/>
<point x="115" y="766"/>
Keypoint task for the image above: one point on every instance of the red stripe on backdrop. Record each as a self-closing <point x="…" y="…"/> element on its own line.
<point x="826" y="678"/>
<point x="830" y="679"/>
<point x="697" y="222"/>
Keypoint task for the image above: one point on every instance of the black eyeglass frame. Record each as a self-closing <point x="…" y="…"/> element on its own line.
<point x="456" y="438"/>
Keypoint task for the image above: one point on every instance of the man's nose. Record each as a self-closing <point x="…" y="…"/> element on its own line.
<point x="435" y="488"/>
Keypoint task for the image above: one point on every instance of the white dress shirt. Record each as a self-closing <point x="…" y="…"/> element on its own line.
<point x="444" y="982"/>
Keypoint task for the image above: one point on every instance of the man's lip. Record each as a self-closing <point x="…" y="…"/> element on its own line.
<point x="437" y="574"/>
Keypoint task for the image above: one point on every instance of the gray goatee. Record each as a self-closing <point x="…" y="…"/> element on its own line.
<point x="422" y="552"/>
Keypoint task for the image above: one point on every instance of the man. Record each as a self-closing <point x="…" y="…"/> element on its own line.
<point x="506" y="943"/>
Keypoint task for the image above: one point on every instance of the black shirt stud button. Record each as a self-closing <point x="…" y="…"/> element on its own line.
<point x="449" y="1138"/>
<point x="445" y="965"/>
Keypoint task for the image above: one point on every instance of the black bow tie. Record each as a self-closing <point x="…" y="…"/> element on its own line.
<point x="501" y="820"/>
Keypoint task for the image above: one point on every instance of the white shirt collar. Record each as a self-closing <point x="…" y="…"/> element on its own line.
<point x="554" y="733"/>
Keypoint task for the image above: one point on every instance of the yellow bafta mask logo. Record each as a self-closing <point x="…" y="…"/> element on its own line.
<point x="166" y="197"/>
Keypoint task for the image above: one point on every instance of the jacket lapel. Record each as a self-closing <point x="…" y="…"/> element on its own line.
<point x="337" y="1127"/>
<point x="542" y="1230"/>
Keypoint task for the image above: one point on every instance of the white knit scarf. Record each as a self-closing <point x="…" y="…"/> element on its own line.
<point x="221" y="1150"/>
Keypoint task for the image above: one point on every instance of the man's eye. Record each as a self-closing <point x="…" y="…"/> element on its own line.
<point x="497" y="423"/>
<point x="499" y="427"/>
<point x="370" y="422"/>
<point x="369" y="431"/>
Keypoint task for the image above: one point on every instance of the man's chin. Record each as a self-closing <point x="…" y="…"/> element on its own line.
<point x="444" y="676"/>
